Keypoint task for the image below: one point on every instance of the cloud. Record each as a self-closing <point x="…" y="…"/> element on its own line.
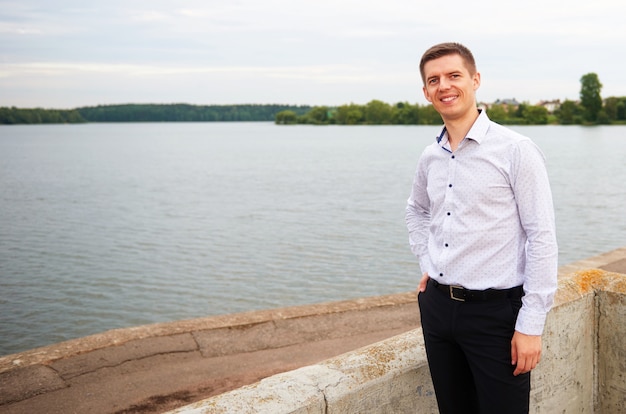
<point x="148" y="16"/>
<point x="315" y="73"/>
<point x="250" y="50"/>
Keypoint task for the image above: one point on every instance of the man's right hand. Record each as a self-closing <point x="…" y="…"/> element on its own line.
<point x="423" y="282"/>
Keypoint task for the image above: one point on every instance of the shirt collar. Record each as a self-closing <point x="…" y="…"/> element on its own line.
<point x="477" y="132"/>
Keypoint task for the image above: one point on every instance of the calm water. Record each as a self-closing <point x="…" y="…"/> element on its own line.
<point x="112" y="225"/>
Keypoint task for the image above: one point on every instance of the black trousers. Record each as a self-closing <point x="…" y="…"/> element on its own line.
<point x="468" y="345"/>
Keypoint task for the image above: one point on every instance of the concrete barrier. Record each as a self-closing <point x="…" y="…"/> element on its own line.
<point x="583" y="366"/>
<point x="158" y="367"/>
<point x="388" y="377"/>
<point x="361" y="355"/>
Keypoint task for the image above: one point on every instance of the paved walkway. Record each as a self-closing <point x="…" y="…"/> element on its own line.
<point x="155" y="368"/>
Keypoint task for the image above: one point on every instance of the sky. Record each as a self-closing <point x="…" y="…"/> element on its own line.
<point x="70" y="53"/>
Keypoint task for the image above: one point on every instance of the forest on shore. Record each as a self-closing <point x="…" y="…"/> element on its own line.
<point x="375" y="112"/>
<point x="147" y="113"/>
<point x="591" y="109"/>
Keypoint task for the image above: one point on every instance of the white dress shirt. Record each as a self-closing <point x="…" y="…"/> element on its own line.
<point x="482" y="217"/>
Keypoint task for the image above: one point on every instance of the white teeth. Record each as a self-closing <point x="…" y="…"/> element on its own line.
<point x="448" y="99"/>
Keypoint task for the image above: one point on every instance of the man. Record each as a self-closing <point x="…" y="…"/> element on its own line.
<point x="481" y="222"/>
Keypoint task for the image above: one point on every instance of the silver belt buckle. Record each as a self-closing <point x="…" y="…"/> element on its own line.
<point x="452" y="293"/>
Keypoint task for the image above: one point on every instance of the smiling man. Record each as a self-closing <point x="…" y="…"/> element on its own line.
<point x="481" y="222"/>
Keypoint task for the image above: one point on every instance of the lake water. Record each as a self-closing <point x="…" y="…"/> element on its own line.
<point x="113" y="225"/>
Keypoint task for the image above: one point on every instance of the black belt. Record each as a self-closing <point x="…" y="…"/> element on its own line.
<point x="466" y="295"/>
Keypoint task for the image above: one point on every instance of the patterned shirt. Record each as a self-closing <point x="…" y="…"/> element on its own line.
<point x="482" y="217"/>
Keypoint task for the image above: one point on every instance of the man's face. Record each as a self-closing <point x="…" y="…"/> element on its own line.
<point x="450" y="87"/>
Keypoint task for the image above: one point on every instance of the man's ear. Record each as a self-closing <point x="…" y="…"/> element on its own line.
<point x="476" y="80"/>
<point x="426" y="94"/>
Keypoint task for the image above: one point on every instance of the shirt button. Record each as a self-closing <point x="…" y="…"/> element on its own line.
<point x="446" y="244"/>
<point x="441" y="274"/>
<point x="453" y="157"/>
<point x="449" y="185"/>
<point x="448" y="213"/>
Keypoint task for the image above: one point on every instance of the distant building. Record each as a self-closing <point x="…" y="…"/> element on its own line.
<point x="551" y="106"/>
<point x="508" y="102"/>
<point x="513" y="103"/>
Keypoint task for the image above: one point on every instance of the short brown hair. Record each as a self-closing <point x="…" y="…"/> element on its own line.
<point x="445" y="49"/>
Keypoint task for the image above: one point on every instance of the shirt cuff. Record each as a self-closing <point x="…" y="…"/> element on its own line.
<point x="530" y="323"/>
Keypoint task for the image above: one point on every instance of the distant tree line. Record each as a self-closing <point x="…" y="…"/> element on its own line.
<point x="591" y="109"/>
<point x="147" y="113"/>
<point x="39" y="116"/>
<point x="185" y="113"/>
<point x="374" y="112"/>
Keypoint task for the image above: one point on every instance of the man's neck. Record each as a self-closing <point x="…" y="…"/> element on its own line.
<point x="458" y="128"/>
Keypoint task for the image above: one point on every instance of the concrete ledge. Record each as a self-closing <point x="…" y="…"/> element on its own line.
<point x="24" y="383"/>
<point x="159" y="367"/>
<point x="582" y="368"/>
<point x="387" y="375"/>
<point x="171" y="364"/>
<point x="310" y="322"/>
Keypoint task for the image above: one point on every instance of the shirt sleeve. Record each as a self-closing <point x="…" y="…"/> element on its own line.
<point x="418" y="218"/>
<point x="536" y="211"/>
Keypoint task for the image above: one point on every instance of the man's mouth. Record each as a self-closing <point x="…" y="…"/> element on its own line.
<point x="449" y="98"/>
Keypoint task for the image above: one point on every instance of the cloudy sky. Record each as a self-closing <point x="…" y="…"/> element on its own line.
<point x="70" y="53"/>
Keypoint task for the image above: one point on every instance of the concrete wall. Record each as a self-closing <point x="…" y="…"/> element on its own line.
<point x="386" y="377"/>
<point x="611" y="364"/>
<point x="582" y="368"/>
<point x="165" y="365"/>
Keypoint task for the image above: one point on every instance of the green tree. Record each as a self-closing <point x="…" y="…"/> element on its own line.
<point x="429" y="116"/>
<point x="610" y="108"/>
<point x="318" y="116"/>
<point x="404" y="113"/>
<point x="351" y="114"/>
<point x="603" y="118"/>
<point x="7" y="116"/>
<point x="590" y="98"/>
<point x="621" y="110"/>
<point x="615" y="109"/>
<point x="354" y="116"/>
<point x="569" y="113"/>
<point x="498" y="113"/>
<point x="286" y="117"/>
<point x="535" y="115"/>
<point x="377" y="113"/>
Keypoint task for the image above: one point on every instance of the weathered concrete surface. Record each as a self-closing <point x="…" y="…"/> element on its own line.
<point x="612" y="261"/>
<point x="387" y="375"/>
<point x="575" y="375"/>
<point x="563" y="382"/>
<point x="611" y="363"/>
<point x="391" y="376"/>
<point x="158" y="367"/>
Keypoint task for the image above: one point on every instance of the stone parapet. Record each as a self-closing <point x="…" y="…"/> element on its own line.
<point x="581" y="371"/>
<point x="362" y="355"/>
<point x="157" y="367"/>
